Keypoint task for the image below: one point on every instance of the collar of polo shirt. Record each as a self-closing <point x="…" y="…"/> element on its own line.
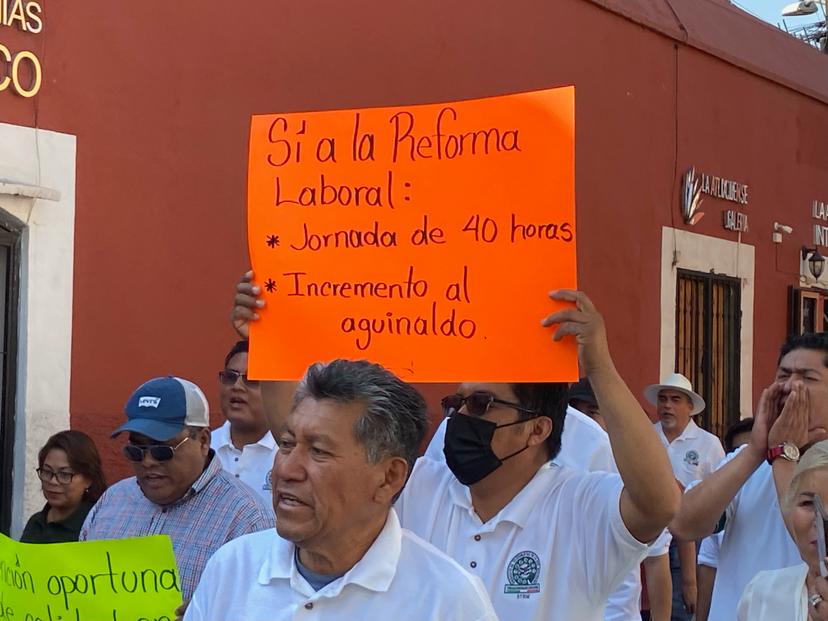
<point x="374" y="571"/>
<point x="517" y="511"/>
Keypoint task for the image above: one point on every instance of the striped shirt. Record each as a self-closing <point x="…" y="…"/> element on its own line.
<point x="216" y="509"/>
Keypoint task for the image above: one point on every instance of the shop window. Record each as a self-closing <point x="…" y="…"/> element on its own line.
<point x="807" y="311"/>
<point x="9" y="285"/>
<point x="708" y="337"/>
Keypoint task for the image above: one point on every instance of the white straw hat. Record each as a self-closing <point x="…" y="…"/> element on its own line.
<point x="676" y="381"/>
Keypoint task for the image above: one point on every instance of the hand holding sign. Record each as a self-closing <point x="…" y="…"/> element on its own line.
<point x="586" y="324"/>
<point x="246" y="304"/>
<point x="418" y="237"/>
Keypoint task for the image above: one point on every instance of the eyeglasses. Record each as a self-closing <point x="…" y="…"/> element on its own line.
<point x="159" y="452"/>
<point x="229" y="377"/>
<point x="477" y="404"/>
<point x="61" y="476"/>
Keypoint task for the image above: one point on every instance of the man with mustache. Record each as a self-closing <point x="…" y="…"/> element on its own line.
<point x="744" y="491"/>
<point x="338" y="552"/>
<point x="694" y="453"/>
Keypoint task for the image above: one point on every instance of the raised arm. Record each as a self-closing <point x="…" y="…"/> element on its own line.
<point x="650" y="497"/>
<point x="277" y="397"/>
<point x="703" y="505"/>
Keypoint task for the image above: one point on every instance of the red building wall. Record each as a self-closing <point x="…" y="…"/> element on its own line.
<point x="160" y="95"/>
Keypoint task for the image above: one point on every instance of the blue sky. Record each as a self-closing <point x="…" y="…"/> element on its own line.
<point x="770" y="10"/>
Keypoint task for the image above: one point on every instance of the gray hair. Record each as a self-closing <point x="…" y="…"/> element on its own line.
<point x="814" y="458"/>
<point x="394" y="422"/>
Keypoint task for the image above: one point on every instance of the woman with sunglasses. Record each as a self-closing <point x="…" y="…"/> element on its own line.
<point x="70" y="473"/>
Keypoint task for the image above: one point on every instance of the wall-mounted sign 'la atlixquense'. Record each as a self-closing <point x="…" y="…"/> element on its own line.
<point x="20" y="70"/>
<point x="717" y="187"/>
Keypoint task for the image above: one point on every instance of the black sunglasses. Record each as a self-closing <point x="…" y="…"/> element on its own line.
<point x="477" y="404"/>
<point x="159" y="452"/>
<point x="229" y="377"/>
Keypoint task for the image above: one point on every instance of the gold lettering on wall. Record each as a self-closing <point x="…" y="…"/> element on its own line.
<point x="20" y="70"/>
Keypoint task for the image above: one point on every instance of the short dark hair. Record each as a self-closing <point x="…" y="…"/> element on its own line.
<point x="809" y="340"/>
<point x="241" y="347"/>
<point x="395" y="419"/>
<point x="548" y="399"/>
<point x="83" y="458"/>
<point x="741" y="426"/>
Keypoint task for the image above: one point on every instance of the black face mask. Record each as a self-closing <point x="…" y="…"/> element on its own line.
<point x="468" y="447"/>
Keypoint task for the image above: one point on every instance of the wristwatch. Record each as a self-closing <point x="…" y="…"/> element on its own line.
<point x="786" y="450"/>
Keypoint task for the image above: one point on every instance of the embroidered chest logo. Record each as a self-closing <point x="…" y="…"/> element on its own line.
<point x="267" y="486"/>
<point x="523" y="574"/>
<point x="691" y="458"/>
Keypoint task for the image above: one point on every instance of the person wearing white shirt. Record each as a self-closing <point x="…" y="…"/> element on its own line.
<point x="585" y="447"/>
<point x="745" y="487"/>
<point x="585" y="444"/>
<point x="244" y="445"/>
<point x="708" y="560"/>
<point x="708" y="564"/>
<point x="338" y="551"/>
<point x="694" y="454"/>
<point x="796" y="593"/>
<point x="583" y="413"/>
<point x="547" y="542"/>
<point x="656" y="569"/>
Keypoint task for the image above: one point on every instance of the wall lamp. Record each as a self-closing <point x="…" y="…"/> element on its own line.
<point x="816" y="262"/>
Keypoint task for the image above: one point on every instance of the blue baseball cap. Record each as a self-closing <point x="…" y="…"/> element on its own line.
<point x="163" y="406"/>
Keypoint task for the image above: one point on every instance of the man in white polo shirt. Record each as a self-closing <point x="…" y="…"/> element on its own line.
<point x="585" y="445"/>
<point x="547" y="542"/>
<point x="743" y="489"/>
<point x="244" y="444"/>
<point x="338" y="552"/>
<point x="694" y="453"/>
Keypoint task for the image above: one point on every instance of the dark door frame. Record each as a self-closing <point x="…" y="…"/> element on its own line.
<point x="10" y="238"/>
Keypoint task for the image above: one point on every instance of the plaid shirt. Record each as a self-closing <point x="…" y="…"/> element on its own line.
<point x="216" y="509"/>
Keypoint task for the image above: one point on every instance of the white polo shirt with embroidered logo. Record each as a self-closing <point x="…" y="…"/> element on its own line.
<point x="694" y="454"/>
<point x="754" y="539"/>
<point x="251" y="465"/>
<point x="556" y="551"/>
<point x="400" y="577"/>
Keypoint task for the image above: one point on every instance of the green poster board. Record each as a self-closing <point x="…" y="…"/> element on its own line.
<point x="107" y="580"/>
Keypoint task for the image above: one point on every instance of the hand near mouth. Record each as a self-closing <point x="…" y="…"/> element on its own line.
<point x="793" y="422"/>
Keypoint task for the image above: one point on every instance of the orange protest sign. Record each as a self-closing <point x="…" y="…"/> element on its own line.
<point x="425" y="238"/>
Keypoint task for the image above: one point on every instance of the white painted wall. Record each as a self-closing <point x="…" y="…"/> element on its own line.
<point x="685" y="250"/>
<point x="46" y="159"/>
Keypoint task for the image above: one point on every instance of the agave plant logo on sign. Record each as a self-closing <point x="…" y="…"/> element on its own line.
<point x="697" y="184"/>
<point x="691" y="198"/>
